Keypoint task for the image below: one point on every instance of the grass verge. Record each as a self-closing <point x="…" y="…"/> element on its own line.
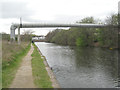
<point x="41" y="77"/>
<point x="9" y="68"/>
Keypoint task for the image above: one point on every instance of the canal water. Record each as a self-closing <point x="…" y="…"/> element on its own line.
<point x="87" y="67"/>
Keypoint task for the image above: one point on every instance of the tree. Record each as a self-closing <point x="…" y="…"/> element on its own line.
<point x="108" y="37"/>
<point x="112" y="20"/>
<point x="50" y="35"/>
<point x="28" y="32"/>
<point x="87" y="20"/>
<point x="27" y="35"/>
<point x="87" y="35"/>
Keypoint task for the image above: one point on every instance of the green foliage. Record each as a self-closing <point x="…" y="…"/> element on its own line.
<point x="87" y="20"/>
<point x="69" y="37"/>
<point x="50" y="35"/>
<point x="87" y="35"/>
<point x="60" y="38"/>
<point x="80" y="42"/>
<point x="108" y="37"/>
<point x="112" y="20"/>
<point x="104" y="37"/>
<point x="64" y="37"/>
<point x="41" y="78"/>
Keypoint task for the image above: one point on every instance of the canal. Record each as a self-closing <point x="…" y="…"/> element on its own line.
<point x="88" y="67"/>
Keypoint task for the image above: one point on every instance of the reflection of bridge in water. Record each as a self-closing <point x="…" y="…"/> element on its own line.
<point x="25" y="25"/>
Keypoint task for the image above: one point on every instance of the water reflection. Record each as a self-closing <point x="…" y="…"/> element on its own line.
<point x="81" y="67"/>
<point x="98" y="60"/>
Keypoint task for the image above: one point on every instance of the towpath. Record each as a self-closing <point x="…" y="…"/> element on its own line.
<point x="24" y="78"/>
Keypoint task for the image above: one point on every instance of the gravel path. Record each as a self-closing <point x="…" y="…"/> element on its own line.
<point x="24" y="78"/>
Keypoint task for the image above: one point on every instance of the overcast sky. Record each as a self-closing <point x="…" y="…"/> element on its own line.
<point x="52" y="11"/>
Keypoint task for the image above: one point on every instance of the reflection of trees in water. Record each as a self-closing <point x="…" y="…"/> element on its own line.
<point x="84" y="57"/>
<point x="108" y="60"/>
<point x="97" y="58"/>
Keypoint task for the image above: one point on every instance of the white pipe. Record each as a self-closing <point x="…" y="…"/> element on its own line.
<point x="39" y="25"/>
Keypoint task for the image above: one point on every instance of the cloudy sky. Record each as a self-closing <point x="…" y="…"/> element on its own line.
<point x="52" y="11"/>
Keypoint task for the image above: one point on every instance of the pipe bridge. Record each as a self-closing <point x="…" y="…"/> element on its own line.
<point x="33" y="25"/>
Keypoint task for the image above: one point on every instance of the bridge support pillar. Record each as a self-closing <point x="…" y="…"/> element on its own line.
<point x="18" y="35"/>
<point x="12" y="35"/>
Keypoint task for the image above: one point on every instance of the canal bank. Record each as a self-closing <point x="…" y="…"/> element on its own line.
<point x="42" y="73"/>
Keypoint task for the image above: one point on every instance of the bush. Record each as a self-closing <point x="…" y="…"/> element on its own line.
<point x="80" y="42"/>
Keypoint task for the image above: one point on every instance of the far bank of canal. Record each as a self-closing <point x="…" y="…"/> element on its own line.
<point x="81" y="67"/>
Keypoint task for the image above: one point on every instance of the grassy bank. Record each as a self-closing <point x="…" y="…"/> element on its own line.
<point x="12" y="55"/>
<point x="41" y="78"/>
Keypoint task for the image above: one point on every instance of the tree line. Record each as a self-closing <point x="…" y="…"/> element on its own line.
<point x="82" y="37"/>
<point x="25" y="36"/>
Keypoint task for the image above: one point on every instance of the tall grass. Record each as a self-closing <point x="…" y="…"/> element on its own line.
<point x="41" y="78"/>
<point x="12" y="55"/>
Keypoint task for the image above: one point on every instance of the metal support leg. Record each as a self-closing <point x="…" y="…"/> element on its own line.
<point x="18" y="35"/>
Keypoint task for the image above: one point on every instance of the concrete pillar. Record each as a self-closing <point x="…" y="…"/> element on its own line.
<point x="18" y="35"/>
<point x="12" y="35"/>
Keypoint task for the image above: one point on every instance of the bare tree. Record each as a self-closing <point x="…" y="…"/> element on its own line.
<point x="28" y="32"/>
<point x="27" y="35"/>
